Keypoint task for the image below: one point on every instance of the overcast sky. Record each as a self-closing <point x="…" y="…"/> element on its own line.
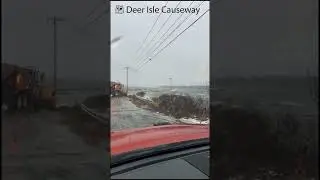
<point x="186" y="60"/>
<point x="27" y="37"/>
<point x="249" y="37"/>
<point x="258" y="37"/>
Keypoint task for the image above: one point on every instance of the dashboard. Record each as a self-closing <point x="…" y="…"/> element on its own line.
<point x="186" y="164"/>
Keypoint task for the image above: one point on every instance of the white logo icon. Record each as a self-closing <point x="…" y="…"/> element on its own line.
<point x="119" y="9"/>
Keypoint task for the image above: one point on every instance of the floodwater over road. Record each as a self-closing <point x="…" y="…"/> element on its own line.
<point x="124" y="114"/>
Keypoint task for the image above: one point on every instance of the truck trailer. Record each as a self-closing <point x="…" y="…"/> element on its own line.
<point x="23" y="87"/>
<point x="117" y="89"/>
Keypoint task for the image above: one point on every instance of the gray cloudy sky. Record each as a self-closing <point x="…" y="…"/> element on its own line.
<point x="186" y="60"/>
<point x="249" y="37"/>
<point x="27" y="37"/>
<point x="258" y="37"/>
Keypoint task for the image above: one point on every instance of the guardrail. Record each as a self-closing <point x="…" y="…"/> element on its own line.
<point x="94" y="115"/>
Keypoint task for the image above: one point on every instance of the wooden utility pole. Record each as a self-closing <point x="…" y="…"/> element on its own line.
<point x="54" y="21"/>
<point x="127" y="79"/>
<point x="170" y="83"/>
<point x="127" y="68"/>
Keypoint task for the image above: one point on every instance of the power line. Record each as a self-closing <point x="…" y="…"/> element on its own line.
<point x="84" y="34"/>
<point x="141" y="60"/>
<point x="174" y="38"/>
<point x="90" y="14"/>
<point x="95" y="8"/>
<point x="161" y="27"/>
<point x="77" y="29"/>
<point x="149" y="52"/>
<point x="217" y="1"/>
<point x="150" y="30"/>
<point x="158" y="31"/>
<point x="96" y="19"/>
<point x="169" y="35"/>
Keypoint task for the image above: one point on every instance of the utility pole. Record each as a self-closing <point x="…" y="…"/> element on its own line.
<point x="170" y="83"/>
<point x="127" y="74"/>
<point x="55" y="21"/>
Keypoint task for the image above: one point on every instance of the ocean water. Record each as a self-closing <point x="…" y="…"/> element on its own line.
<point x="272" y="95"/>
<point x="291" y="94"/>
<point x="193" y="91"/>
<point x="286" y="94"/>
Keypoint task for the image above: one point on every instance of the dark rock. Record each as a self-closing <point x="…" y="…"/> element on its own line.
<point x="177" y="106"/>
<point x="181" y="106"/>
<point x="141" y="94"/>
<point x="161" y="123"/>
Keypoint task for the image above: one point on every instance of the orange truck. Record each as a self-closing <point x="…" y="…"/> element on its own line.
<point x="22" y="87"/>
<point x="117" y="89"/>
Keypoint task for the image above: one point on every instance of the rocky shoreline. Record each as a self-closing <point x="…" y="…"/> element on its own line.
<point x="176" y="106"/>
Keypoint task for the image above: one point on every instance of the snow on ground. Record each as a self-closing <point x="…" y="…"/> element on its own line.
<point x="193" y="121"/>
<point x="145" y="97"/>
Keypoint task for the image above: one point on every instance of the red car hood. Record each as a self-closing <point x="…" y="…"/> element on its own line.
<point x="134" y="139"/>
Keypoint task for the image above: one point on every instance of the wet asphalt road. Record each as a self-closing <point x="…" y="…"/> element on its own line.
<point x="38" y="146"/>
<point x="124" y="115"/>
<point x="64" y="144"/>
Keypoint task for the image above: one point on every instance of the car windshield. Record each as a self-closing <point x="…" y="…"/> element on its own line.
<point x="84" y="81"/>
<point x="161" y="88"/>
